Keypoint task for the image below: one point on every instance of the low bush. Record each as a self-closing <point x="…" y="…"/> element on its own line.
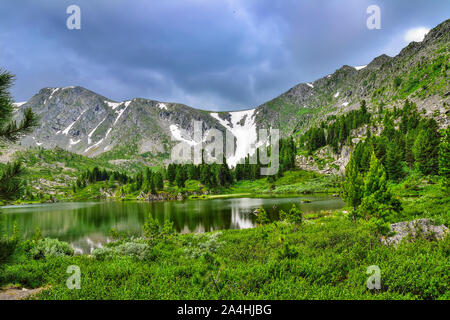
<point x="134" y="249"/>
<point x="47" y="247"/>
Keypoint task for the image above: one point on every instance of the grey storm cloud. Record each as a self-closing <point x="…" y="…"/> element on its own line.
<point x="210" y="54"/>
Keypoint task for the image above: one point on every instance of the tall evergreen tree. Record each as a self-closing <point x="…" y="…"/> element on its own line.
<point x="408" y="155"/>
<point x="10" y="183"/>
<point x="426" y="147"/>
<point x="171" y="173"/>
<point x="152" y="187"/>
<point x="180" y="176"/>
<point x="394" y="162"/>
<point x="158" y="181"/>
<point x="352" y="186"/>
<point x="363" y="107"/>
<point x="225" y="177"/>
<point x="377" y="201"/>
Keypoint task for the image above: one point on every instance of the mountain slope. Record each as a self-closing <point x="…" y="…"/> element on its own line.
<point x="86" y="123"/>
<point x="419" y="72"/>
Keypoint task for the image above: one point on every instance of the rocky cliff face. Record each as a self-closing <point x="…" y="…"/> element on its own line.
<point x="84" y="122"/>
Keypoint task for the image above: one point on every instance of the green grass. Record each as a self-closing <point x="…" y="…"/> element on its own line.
<point x="424" y="197"/>
<point x="425" y="79"/>
<point x="326" y="258"/>
<point x="292" y="182"/>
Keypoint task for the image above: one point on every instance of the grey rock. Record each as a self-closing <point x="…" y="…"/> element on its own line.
<point x="414" y="229"/>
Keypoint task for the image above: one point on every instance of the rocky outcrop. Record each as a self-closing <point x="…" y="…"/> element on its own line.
<point x="411" y="230"/>
<point x="84" y="122"/>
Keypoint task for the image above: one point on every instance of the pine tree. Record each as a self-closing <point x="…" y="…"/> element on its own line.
<point x="204" y="174"/>
<point x="408" y="155"/>
<point x="152" y="187"/>
<point x="426" y="148"/>
<point x="180" y="176"/>
<point x="171" y="173"/>
<point x="352" y="186"/>
<point x="158" y="181"/>
<point x="363" y="107"/>
<point x="224" y="174"/>
<point x="148" y="177"/>
<point x="10" y="183"/>
<point x="139" y="180"/>
<point x="393" y="162"/>
<point x="377" y="201"/>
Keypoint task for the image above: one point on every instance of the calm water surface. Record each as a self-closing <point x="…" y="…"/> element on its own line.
<point x="86" y="224"/>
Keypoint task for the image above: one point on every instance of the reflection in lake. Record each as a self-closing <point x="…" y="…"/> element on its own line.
<point x="86" y="224"/>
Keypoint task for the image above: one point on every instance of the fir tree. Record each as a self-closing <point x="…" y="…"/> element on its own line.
<point x="352" y="186"/>
<point x="393" y="162"/>
<point x="152" y="187"/>
<point x="180" y="176"/>
<point x="11" y="185"/>
<point x="377" y="201"/>
<point x="158" y="181"/>
<point x="426" y="148"/>
<point x="171" y="173"/>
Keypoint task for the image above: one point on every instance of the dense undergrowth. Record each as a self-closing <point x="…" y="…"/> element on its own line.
<point x="325" y="258"/>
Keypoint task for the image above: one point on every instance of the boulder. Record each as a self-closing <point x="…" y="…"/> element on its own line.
<point x="414" y="229"/>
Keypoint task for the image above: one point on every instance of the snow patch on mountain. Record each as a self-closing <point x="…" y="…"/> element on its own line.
<point x="310" y="85"/>
<point x="245" y="133"/>
<point x="94" y="145"/>
<point x="360" y="67"/>
<point x="72" y="142"/>
<point x="113" y="105"/>
<point x="178" y="135"/>
<point x="120" y="112"/>
<point x="336" y="95"/>
<point x="51" y="95"/>
<point x="19" y="104"/>
<point x="107" y="132"/>
<point x="162" y="106"/>
<point x="66" y="130"/>
<point x="92" y="132"/>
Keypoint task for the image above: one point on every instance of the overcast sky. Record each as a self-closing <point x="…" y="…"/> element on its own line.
<point x="209" y="54"/>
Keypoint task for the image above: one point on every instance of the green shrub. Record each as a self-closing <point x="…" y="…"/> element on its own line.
<point x="8" y="244"/>
<point x="294" y="215"/>
<point x="133" y="249"/>
<point x="207" y="243"/>
<point x="262" y="217"/>
<point x="103" y="254"/>
<point x="136" y="250"/>
<point x="44" y="248"/>
<point x="7" y="248"/>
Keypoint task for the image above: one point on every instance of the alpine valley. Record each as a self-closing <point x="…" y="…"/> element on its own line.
<point x="359" y="208"/>
<point x="141" y="130"/>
